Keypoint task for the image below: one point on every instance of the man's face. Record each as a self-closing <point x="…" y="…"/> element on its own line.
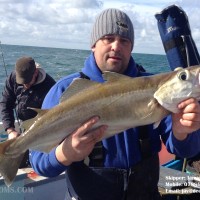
<point x="28" y="85"/>
<point x="112" y="53"/>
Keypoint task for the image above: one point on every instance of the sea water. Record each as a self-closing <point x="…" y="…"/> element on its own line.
<point x="60" y="62"/>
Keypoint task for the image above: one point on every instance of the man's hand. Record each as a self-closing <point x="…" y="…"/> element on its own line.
<point x="12" y="133"/>
<point x="187" y="120"/>
<point x="78" y="145"/>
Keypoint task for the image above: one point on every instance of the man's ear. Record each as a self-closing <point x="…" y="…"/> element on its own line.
<point x="93" y="48"/>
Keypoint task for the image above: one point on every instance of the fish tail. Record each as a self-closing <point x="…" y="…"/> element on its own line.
<point x="9" y="165"/>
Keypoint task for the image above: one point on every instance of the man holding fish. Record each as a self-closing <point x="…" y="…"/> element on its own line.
<point x="123" y="173"/>
<point x="125" y="164"/>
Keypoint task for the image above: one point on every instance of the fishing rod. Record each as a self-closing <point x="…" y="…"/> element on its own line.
<point x="17" y="118"/>
<point x="3" y="60"/>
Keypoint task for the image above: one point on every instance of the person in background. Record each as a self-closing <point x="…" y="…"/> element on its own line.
<point x="25" y="87"/>
<point x="126" y="165"/>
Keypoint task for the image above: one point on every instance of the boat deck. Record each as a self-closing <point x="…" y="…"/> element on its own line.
<point x="30" y="186"/>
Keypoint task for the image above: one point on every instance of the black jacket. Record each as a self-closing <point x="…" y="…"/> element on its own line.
<point x="14" y="96"/>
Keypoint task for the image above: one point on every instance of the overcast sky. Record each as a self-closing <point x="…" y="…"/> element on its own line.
<point x="67" y="23"/>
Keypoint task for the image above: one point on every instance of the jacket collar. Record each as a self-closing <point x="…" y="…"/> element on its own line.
<point x="41" y="76"/>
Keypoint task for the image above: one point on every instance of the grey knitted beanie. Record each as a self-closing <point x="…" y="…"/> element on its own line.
<point x="112" y="21"/>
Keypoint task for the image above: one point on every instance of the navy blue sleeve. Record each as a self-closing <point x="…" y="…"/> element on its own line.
<point x="7" y="103"/>
<point x="185" y="148"/>
<point x="46" y="164"/>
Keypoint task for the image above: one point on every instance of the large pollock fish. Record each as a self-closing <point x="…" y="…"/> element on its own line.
<point x="121" y="103"/>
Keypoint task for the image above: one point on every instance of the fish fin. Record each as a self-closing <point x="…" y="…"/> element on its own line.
<point x="27" y="124"/>
<point x="113" y="76"/>
<point x="9" y="167"/>
<point x="39" y="111"/>
<point x="77" y="85"/>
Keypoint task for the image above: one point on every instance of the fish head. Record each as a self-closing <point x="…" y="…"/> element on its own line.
<point x="184" y="83"/>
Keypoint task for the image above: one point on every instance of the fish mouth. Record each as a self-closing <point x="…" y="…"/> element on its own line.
<point x="197" y="79"/>
<point x="196" y="94"/>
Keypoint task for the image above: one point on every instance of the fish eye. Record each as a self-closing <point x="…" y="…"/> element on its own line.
<point x="183" y="75"/>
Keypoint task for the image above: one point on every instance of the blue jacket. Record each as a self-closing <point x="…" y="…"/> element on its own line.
<point x="121" y="150"/>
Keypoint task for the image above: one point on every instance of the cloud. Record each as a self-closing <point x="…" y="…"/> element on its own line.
<point x="67" y="23"/>
<point x="37" y="21"/>
<point x="142" y="14"/>
<point x="86" y="4"/>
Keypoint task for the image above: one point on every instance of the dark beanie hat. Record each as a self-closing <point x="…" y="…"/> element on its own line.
<point x="25" y="68"/>
<point x="112" y="21"/>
